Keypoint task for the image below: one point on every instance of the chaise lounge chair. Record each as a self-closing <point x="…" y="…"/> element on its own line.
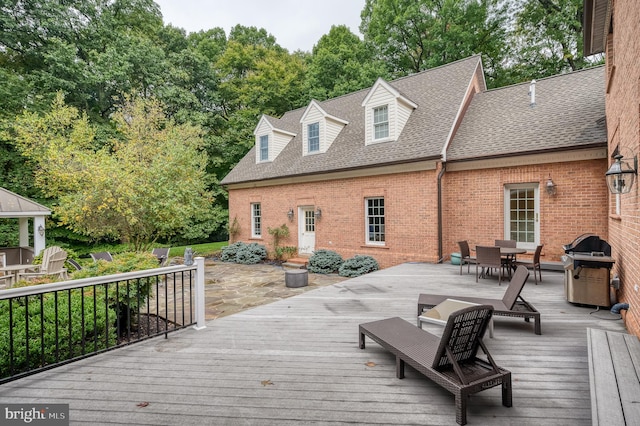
<point x="511" y="305"/>
<point x="162" y="254"/>
<point x="101" y="255"/>
<point x="451" y="361"/>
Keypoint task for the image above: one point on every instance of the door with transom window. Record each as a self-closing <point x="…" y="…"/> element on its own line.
<point x="306" y="230"/>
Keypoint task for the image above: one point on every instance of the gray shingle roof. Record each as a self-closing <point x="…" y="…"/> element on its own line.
<point x="438" y="92"/>
<point x="14" y="205"/>
<point x="569" y="114"/>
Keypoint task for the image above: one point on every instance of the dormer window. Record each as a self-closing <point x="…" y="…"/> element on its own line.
<point x="313" y="137"/>
<point x="386" y="111"/>
<point x="381" y="122"/>
<point x="270" y="139"/>
<point x="319" y="129"/>
<point x="264" y="148"/>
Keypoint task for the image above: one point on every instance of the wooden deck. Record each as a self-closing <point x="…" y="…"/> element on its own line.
<point x="297" y="361"/>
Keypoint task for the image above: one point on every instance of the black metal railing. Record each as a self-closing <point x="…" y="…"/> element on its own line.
<point x="48" y="325"/>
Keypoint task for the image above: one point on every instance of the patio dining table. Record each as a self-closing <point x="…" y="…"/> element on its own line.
<point x="510" y="253"/>
<point x="15" y="270"/>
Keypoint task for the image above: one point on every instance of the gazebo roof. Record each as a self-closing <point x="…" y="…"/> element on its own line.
<point x="14" y="205"/>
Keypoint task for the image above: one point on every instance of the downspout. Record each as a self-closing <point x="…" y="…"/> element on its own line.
<point x="440" y="174"/>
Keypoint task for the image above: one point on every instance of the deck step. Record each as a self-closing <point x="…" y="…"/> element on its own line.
<point x="296" y="262"/>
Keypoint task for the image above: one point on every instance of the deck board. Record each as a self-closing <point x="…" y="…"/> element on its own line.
<point x="297" y="361"/>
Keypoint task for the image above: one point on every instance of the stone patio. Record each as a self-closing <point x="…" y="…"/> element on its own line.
<point x="231" y="287"/>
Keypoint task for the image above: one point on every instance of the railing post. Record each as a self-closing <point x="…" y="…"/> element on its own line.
<point x="199" y="299"/>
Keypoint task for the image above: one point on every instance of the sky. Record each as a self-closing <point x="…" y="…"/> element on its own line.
<point x="296" y="24"/>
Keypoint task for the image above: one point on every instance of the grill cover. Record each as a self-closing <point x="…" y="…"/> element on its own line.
<point x="588" y="244"/>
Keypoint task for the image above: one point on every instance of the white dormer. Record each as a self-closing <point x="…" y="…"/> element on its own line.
<point x="319" y="129"/>
<point x="270" y="141"/>
<point x="386" y="111"/>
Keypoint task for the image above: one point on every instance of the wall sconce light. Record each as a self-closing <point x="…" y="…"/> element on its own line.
<point x="551" y="187"/>
<point x="290" y="214"/>
<point x="318" y="213"/>
<point x="41" y="230"/>
<point x="621" y="175"/>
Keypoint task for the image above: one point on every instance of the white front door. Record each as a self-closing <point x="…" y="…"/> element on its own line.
<point x="306" y="230"/>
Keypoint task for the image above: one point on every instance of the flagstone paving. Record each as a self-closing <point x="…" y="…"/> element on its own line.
<point x="232" y="287"/>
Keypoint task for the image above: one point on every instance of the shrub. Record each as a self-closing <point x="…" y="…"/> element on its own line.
<point x="76" y="335"/>
<point x="324" y="262"/>
<point x="246" y="254"/>
<point x="229" y="252"/>
<point x="358" y="265"/>
<point x="251" y="254"/>
<point x="286" y="252"/>
<point x="130" y="294"/>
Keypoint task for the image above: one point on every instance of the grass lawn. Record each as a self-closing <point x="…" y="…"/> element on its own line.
<point x="204" y="250"/>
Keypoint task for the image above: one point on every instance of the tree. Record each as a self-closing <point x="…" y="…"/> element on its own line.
<point x="341" y="63"/>
<point x="548" y="38"/>
<point x="414" y="35"/>
<point x="147" y="184"/>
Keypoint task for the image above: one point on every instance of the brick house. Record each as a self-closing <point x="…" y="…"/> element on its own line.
<point x="403" y="170"/>
<point x="611" y="27"/>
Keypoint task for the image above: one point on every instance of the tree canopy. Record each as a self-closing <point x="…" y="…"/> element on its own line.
<point x="147" y="183"/>
<point x="109" y="58"/>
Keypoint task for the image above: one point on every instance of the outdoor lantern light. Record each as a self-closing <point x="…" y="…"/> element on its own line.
<point x="551" y="187"/>
<point x="621" y="175"/>
<point x="41" y="230"/>
<point x="290" y="214"/>
<point x="318" y="213"/>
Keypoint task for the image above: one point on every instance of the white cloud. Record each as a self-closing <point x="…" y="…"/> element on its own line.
<point x="296" y="24"/>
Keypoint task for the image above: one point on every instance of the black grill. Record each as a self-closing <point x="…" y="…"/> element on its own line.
<point x="587" y="257"/>
<point x="587" y="251"/>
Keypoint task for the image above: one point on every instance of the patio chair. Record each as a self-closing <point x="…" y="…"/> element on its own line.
<point x="162" y="254"/>
<point x="102" y="255"/>
<point x="488" y="258"/>
<point x="53" y="260"/>
<point x="465" y="256"/>
<point x="506" y="243"/>
<point x="451" y="361"/>
<point x="533" y="264"/>
<point x="511" y="305"/>
<point x="5" y="277"/>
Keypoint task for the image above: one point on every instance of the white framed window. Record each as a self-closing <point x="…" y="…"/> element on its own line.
<point x="375" y="223"/>
<point x="264" y="147"/>
<point x="381" y="122"/>
<point x="522" y="214"/>
<point x="256" y="220"/>
<point x="313" y="137"/>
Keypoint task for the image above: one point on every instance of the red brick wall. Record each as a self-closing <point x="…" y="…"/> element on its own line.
<point x="410" y="215"/>
<point x="472" y="210"/>
<point x="474" y="204"/>
<point x="623" y="124"/>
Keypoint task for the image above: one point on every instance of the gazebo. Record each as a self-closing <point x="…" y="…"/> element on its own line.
<point x="15" y="206"/>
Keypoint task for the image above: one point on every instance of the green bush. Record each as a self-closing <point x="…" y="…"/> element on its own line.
<point x="358" y="265"/>
<point x="72" y="333"/>
<point x="246" y="254"/>
<point x="124" y="296"/>
<point x="229" y="252"/>
<point x="324" y="262"/>
<point x="251" y="254"/>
